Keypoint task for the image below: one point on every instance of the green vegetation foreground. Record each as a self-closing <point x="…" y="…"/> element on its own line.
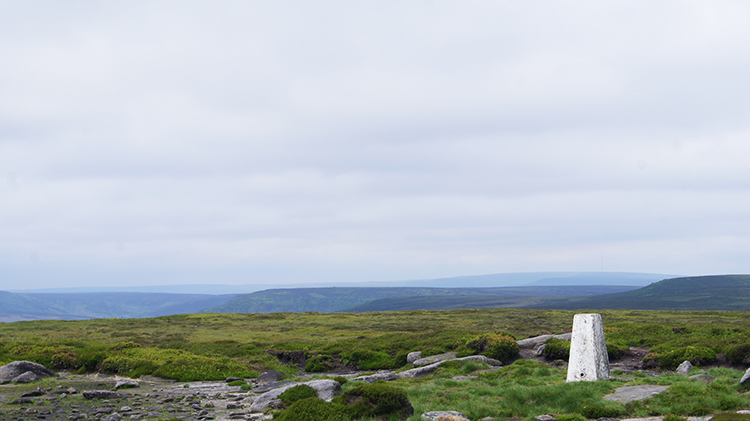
<point x="216" y="346"/>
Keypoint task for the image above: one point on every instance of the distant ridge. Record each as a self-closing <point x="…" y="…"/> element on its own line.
<point x="360" y="299"/>
<point x="699" y="293"/>
<point x="715" y="292"/>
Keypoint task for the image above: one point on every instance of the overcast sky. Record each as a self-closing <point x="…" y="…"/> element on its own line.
<point x="247" y="142"/>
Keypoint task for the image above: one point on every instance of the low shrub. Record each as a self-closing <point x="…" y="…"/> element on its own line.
<point x="341" y="380"/>
<point x="313" y="409"/>
<point x="296" y="393"/>
<point x="669" y="360"/>
<point x="556" y="349"/>
<point x="377" y="400"/>
<point x="499" y="346"/>
<point x="738" y="354"/>
<point x="616" y="350"/>
<point x="319" y="363"/>
<point x="372" y="360"/>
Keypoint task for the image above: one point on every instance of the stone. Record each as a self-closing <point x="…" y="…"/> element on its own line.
<point x="705" y="377"/>
<point x="589" y="360"/>
<point x="233" y="379"/>
<point x="326" y="389"/>
<point x="375" y="377"/>
<point x="546" y="417"/>
<point x="413" y="356"/>
<point x="263" y="388"/>
<point x="423" y="371"/>
<point x="745" y="377"/>
<point x="540" y="350"/>
<point x="481" y="358"/>
<point x="627" y="394"/>
<point x="104" y="394"/>
<point x="536" y="341"/>
<point x="12" y="370"/>
<point x="444" y="416"/>
<point x="27" y="377"/>
<point x="684" y="368"/>
<point x="126" y="383"/>
<point x="113" y="417"/>
<point x="37" y="392"/>
<point x="272" y="376"/>
<point x="434" y="358"/>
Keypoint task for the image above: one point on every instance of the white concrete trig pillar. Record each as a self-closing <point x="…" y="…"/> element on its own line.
<point x="588" y="349"/>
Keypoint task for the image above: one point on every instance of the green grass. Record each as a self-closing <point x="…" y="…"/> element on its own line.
<point x="215" y="345"/>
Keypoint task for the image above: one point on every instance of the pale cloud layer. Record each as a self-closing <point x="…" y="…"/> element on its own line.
<point x="260" y="142"/>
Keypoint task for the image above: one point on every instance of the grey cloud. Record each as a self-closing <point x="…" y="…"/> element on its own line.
<point x="355" y="141"/>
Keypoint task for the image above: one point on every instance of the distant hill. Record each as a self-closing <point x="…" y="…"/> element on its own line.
<point x="16" y="307"/>
<point x="538" y="278"/>
<point x="337" y="299"/>
<point x="719" y="292"/>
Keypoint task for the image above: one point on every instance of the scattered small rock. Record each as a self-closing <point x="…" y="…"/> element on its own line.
<point x="104" y="394"/>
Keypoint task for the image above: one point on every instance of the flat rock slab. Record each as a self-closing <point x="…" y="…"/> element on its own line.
<point x="423" y="371"/>
<point x="480" y="358"/>
<point x="434" y="359"/>
<point x="532" y="343"/>
<point x="627" y="394"/>
<point x="444" y="416"/>
<point x="375" y="377"/>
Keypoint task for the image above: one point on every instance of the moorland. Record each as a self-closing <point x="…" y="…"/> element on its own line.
<point x="205" y="347"/>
